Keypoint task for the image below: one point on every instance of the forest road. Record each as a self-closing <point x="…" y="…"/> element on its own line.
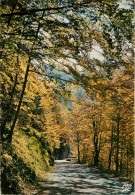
<point x="72" y="178"/>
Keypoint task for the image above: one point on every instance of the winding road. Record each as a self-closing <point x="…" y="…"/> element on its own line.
<point x="72" y="178"/>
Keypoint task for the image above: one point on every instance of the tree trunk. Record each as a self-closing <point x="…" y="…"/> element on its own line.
<point x="96" y="145"/>
<point x="127" y="161"/>
<point x="85" y="152"/>
<point x="78" y="153"/>
<point x="121" y="162"/>
<point x="111" y="151"/>
<point x="78" y="147"/>
<point x="19" y="105"/>
<point x="9" y="105"/>
<point x="8" y="108"/>
<point x="96" y="158"/>
<point x="97" y="149"/>
<point x="117" y="149"/>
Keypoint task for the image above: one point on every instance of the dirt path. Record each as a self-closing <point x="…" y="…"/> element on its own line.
<point x="71" y="178"/>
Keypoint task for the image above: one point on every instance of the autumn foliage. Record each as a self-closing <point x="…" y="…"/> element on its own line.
<point x="66" y="88"/>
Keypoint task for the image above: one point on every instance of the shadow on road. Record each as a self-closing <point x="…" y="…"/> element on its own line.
<point x="72" y="178"/>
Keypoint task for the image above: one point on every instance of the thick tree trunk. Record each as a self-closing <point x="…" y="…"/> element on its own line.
<point x="19" y="105"/>
<point x="110" y="158"/>
<point x="96" y="158"/>
<point x="3" y="125"/>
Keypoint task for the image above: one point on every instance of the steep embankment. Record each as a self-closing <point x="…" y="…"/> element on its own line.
<point x="22" y="164"/>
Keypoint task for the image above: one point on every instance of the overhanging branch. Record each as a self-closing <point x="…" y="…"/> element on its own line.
<point x="53" y="77"/>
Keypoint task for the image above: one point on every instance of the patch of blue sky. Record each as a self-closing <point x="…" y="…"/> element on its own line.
<point x="79" y="92"/>
<point x="57" y="74"/>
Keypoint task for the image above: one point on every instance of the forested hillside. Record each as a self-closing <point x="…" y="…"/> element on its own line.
<point x="66" y="88"/>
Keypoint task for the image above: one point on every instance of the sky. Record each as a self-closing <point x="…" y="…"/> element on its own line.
<point x="96" y="53"/>
<point x="126" y="4"/>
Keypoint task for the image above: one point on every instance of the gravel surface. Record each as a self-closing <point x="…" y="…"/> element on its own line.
<point x="72" y="178"/>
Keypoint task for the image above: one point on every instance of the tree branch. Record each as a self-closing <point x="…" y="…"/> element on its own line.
<point x="54" y="77"/>
<point x="32" y="11"/>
